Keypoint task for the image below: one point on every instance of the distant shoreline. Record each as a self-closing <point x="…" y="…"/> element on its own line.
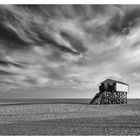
<point x="55" y="101"/>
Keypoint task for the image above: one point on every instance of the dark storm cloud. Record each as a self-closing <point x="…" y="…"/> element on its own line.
<point x="3" y="72"/>
<point x="6" y="63"/>
<point x="18" y="32"/>
<point x="73" y="45"/>
<point x="77" y="44"/>
<point x="8" y="35"/>
<point x="123" y="23"/>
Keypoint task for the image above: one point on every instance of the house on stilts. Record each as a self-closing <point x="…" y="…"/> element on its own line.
<point x="111" y="92"/>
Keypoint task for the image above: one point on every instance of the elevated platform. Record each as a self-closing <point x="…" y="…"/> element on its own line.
<point x="110" y="98"/>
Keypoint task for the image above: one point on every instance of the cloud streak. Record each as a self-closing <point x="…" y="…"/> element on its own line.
<point x="68" y="45"/>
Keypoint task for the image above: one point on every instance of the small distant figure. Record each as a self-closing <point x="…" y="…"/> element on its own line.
<point x="111" y="92"/>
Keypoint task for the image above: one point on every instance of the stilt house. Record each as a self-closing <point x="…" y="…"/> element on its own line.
<point x="111" y="92"/>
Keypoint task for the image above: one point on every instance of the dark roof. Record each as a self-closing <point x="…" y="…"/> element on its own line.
<point x="115" y="81"/>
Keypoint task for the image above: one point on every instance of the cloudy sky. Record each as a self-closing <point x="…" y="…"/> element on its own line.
<point x="67" y="50"/>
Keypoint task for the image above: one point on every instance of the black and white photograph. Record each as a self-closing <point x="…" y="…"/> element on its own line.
<point x="69" y="69"/>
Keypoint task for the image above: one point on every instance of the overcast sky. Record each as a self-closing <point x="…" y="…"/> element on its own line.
<point x="66" y="51"/>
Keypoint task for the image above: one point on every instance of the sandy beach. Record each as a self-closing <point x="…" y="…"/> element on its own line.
<point x="70" y="119"/>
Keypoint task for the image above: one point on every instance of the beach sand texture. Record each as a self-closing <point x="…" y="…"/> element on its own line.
<point x="70" y="119"/>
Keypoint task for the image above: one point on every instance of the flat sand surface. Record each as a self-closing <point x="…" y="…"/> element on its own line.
<point x="70" y="119"/>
